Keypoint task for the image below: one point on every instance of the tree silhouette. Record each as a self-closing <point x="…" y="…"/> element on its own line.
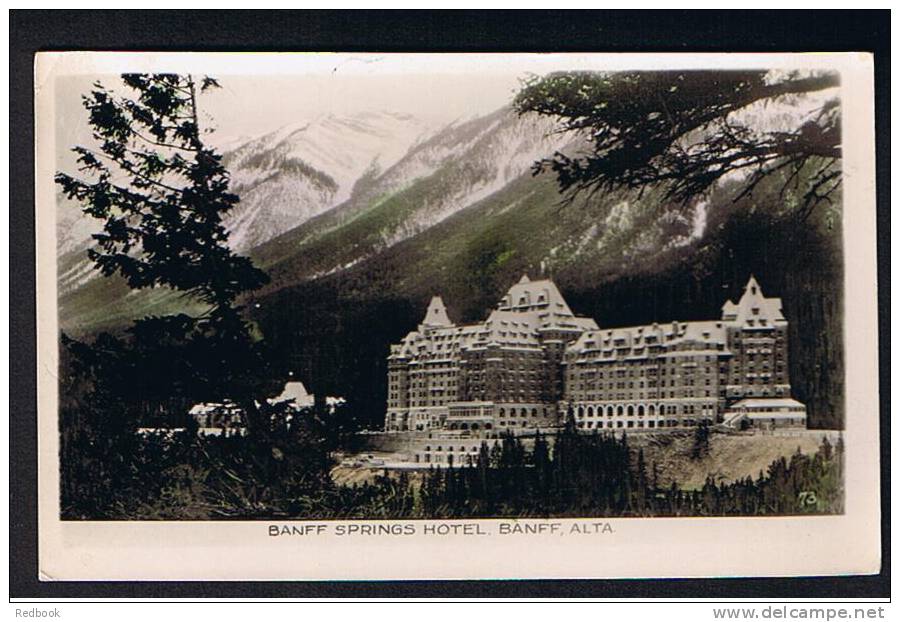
<point x="700" y="447"/>
<point x="682" y="130"/>
<point x="162" y="193"/>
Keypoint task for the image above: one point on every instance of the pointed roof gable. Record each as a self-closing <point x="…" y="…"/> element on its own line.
<point x="752" y="286"/>
<point x="540" y="305"/>
<point x="296" y="392"/>
<point x="436" y="315"/>
<point x="729" y="310"/>
<point x="527" y="295"/>
<point x="754" y="308"/>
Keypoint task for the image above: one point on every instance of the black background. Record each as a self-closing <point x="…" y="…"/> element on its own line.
<point x="410" y="31"/>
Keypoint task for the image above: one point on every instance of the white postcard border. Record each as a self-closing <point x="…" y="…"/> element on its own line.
<point x="636" y="548"/>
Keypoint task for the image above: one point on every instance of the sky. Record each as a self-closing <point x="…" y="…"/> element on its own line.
<point x="247" y="105"/>
<point x="263" y="92"/>
<point x="257" y="98"/>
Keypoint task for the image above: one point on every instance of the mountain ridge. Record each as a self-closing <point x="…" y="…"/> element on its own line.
<point x="283" y="178"/>
<point x="460" y="214"/>
<point x="453" y="174"/>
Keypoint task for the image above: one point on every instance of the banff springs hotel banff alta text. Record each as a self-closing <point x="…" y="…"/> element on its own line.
<point x="532" y="363"/>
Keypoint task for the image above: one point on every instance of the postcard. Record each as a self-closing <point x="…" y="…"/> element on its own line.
<point x="456" y="316"/>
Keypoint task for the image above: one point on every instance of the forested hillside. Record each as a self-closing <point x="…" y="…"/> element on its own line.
<point x="461" y="215"/>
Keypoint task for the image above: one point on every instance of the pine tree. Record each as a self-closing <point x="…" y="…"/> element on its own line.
<point x="683" y="132"/>
<point x="641" y="492"/>
<point x="826" y="448"/>
<point x="700" y="448"/>
<point x="540" y="457"/>
<point x="161" y="193"/>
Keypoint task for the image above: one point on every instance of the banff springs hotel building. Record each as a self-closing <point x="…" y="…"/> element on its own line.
<point x="533" y="362"/>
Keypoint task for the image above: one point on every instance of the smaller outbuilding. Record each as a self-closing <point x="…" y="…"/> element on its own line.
<point x="298" y="398"/>
<point x="766" y="413"/>
<point x="227" y="418"/>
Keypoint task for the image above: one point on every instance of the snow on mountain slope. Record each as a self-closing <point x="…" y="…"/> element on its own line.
<point x="457" y="195"/>
<point x="457" y="167"/>
<point x="301" y="170"/>
<point x="283" y="178"/>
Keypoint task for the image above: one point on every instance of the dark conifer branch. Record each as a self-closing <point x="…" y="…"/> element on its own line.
<point x="679" y="130"/>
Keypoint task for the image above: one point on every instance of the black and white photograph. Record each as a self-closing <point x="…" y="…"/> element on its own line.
<point x="377" y="296"/>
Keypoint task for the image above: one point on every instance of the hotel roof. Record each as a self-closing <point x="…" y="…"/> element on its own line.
<point x="529" y="309"/>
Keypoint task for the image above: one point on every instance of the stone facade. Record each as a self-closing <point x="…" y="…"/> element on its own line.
<point x="533" y="361"/>
<point x="679" y="374"/>
<point x="502" y="373"/>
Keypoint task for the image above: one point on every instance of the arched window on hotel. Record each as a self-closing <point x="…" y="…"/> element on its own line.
<point x="609" y="411"/>
<point x="651" y="410"/>
<point x="641" y="410"/>
<point x="631" y="411"/>
<point x="620" y="411"/>
<point x="502" y="412"/>
<point x="580" y="412"/>
<point x="590" y="411"/>
<point x="488" y="426"/>
<point x="475" y="426"/>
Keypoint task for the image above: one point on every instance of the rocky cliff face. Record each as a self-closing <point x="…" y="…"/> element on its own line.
<point x="359" y="194"/>
<point x="359" y="221"/>
<point x="283" y="179"/>
<point x="300" y="171"/>
<point x="458" y="167"/>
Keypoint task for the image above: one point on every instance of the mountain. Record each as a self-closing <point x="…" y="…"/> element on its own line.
<point x="283" y="178"/>
<point x="456" y="213"/>
<point x="301" y="170"/>
<point x="395" y="180"/>
<point x="453" y="170"/>
<point x="460" y="214"/>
